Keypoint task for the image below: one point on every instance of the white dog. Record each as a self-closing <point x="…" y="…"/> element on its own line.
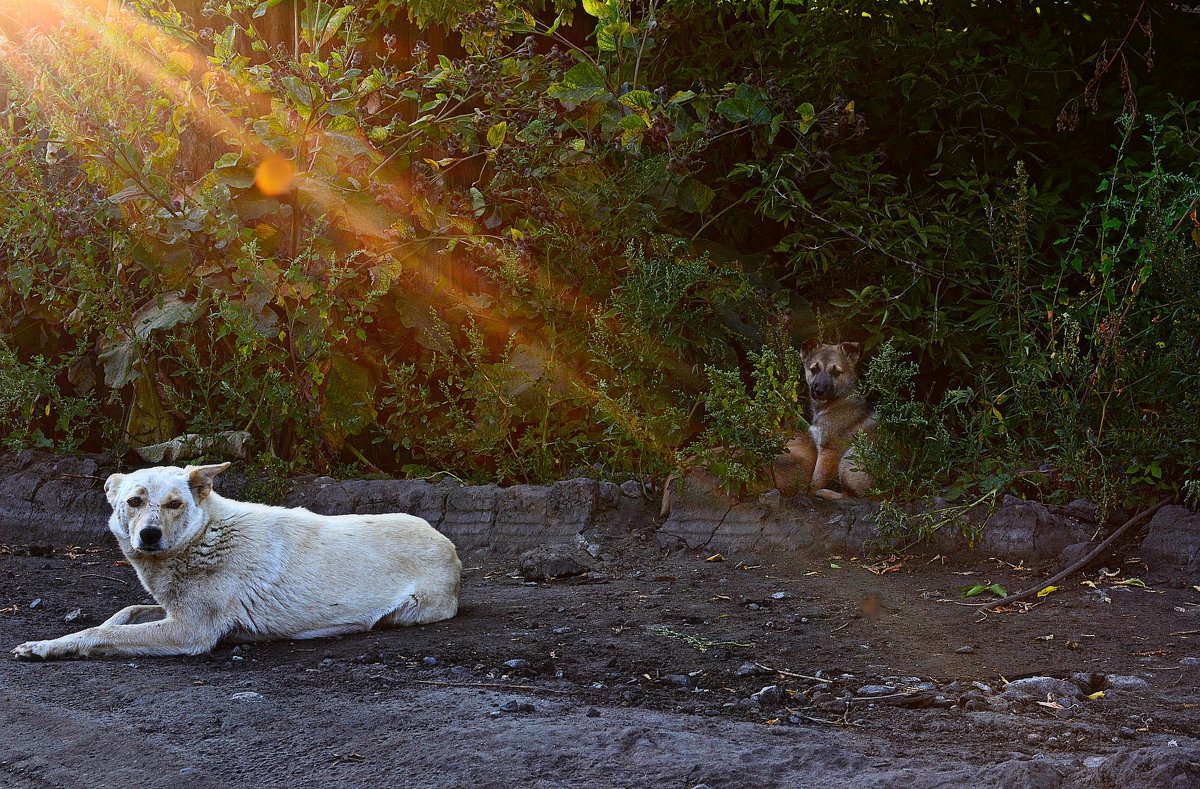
<point x="224" y="569"/>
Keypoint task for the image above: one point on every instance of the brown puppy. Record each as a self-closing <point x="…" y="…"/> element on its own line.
<point x="838" y="414"/>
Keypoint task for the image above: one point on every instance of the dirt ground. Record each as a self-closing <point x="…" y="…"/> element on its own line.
<point x="653" y="670"/>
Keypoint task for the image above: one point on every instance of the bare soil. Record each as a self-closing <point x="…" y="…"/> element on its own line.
<point x="638" y="674"/>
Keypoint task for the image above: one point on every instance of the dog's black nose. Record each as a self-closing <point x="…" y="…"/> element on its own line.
<point x="150" y="535"/>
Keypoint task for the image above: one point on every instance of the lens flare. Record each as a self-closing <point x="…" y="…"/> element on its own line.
<point x="274" y="176"/>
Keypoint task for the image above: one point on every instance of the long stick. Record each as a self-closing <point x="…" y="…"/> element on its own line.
<point x="1085" y="561"/>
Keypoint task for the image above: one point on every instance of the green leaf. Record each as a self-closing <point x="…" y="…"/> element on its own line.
<point x="496" y="134"/>
<point x="596" y="8"/>
<point x="748" y="104"/>
<point x="642" y="100"/>
<point x="972" y="590"/>
<point x="581" y="83"/>
<point x="694" y="196"/>
<point x="265" y="6"/>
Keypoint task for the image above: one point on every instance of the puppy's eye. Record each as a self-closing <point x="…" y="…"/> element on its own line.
<point x="173" y="505"/>
<point x="134" y="501"/>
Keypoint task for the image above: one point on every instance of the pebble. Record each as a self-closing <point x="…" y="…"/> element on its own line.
<point x="517" y="664"/>
<point x="876" y="690"/>
<point x="681" y="680"/>
<point x="36" y="604"/>
<point x="1131" y="684"/>
<point x="1126" y="733"/>
<point x="1189" y="661"/>
<point x="752" y="606"/>
<point x="1092" y="762"/>
<point x="769" y="695"/>
<point x="593" y="712"/>
<point x="189" y="771"/>
<point x="512" y="705"/>
<point x="561" y="631"/>
<point x="965" y="650"/>
<point x="750" y="669"/>
<point x="247" y="695"/>
<point x="74" y="615"/>
<point x="1038" y="688"/>
<point x="326" y="663"/>
<point x="429" y="661"/>
<point x="779" y="596"/>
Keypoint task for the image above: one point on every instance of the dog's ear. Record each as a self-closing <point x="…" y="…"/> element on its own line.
<point x="809" y="346"/>
<point x="853" y="351"/>
<point x="111" y="485"/>
<point x="200" y="479"/>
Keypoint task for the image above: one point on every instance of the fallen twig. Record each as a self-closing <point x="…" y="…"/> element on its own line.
<point x="787" y="673"/>
<point x="1084" y="562"/>
<point x="105" y="577"/>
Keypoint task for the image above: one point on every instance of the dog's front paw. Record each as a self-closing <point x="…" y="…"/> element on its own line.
<point x="30" y="650"/>
<point x="42" y="650"/>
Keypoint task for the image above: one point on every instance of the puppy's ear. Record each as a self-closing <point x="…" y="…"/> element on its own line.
<point x="200" y="479"/>
<point x="809" y="346"/>
<point x="853" y="351"/>
<point x="111" y="485"/>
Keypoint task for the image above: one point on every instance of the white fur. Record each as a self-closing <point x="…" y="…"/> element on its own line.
<point x="233" y="570"/>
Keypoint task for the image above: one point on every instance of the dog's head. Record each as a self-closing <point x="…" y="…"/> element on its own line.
<point x="157" y="510"/>
<point x="830" y="369"/>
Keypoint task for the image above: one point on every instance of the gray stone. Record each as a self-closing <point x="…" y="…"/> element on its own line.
<point x="1075" y="552"/>
<point x="1028" y="530"/>
<point x="429" y="660"/>
<point x="769" y="696"/>
<point x="1127" y="684"/>
<point x="248" y="696"/>
<point x="1081" y="509"/>
<point x="750" y="670"/>
<point x="869" y="691"/>
<point x="552" y="561"/>
<point x="74" y="616"/>
<point x="1173" y="539"/>
<point x="53" y="499"/>
<point x="631" y="488"/>
<point x="1040" y="689"/>
<point x="36" y="604"/>
<point x="230" y="444"/>
<point x="680" y="680"/>
<point x="966" y="649"/>
<point x="518" y="664"/>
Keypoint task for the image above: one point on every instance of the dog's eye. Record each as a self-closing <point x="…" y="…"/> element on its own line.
<point x="173" y="505"/>
<point x="134" y="501"/>
<point x="816" y="368"/>
<point x="835" y="372"/>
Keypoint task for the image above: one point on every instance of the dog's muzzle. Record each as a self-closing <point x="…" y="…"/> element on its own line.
<point x="149" y="539"/>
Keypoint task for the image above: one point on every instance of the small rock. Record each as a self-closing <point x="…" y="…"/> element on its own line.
<point x="36" y="604"/>
<point x="1092" y="762"/>
<point x="593" y="712"/>
<point x="752" y="606"/>
<point x="429" y="660"/>
<point x="1081" y="509"/>
<point x="1126" y="733"/>
<point x="326" y="663"/>
<point x="495" y="714"/>
<point x="1038" y="688"/>
<point x="189" y="771"/>
<point x="966" y="649"/>
<point x="681" y="680"/>
<point x="750" y="670"/>
<point x="876" y="690"/>
<point x="1189" y="661"/>
<point x="247" y="695"/>
<point x="547" y="562"/>
<point x="239" y="657"/>
<point x="769" y="696"/>
<point x="779" y="596"/>
<point x="632" y="489"/>
<point x="561" y="631"/>
<point x="512" y="705"/>
<point x="1128" y="684"/>
<point x="74" y="616"/>
<point x="518" y="664"/>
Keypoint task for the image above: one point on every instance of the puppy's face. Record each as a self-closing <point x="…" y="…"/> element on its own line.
<point x="158" y="510"/>
<point x="830" y="369"/>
